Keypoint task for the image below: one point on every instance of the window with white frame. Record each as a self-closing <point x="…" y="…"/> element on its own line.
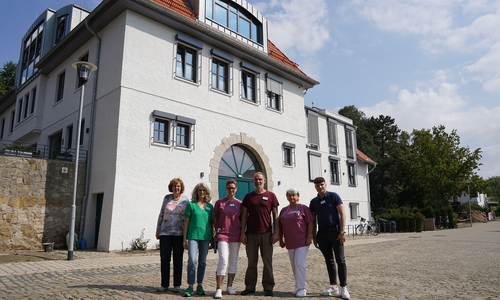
<point x="187" y="58"/>
<point x="32" y="52"/>
<point x="186" y="63"/>
<point x="60" y="86"/>
<point x="161" y="131"/>
<point x="169" y="129"/>
<point x="332" y="136"/>
<point x="33" y="98"/>
<point x="354" y="210"/>
<point x="249" y="78"/>
<point x="288" y="154"/>
<point x="26" y="105"/>
<point x="312" y="130"/>
<point x="20" y="110"/>
<point x="62" y="27"/>
<point x="162" y="127"/>
<point x="274" y="86"/>
<point x="234" y="17"/>
<point x="334" y="170"/>
<point x="221" y="75"/>
<point x="314" y="159"/>
<point x="351" y="173"/>
<point x="350" y="141"/>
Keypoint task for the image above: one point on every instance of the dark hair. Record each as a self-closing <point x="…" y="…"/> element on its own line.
<point x="174" y="182"/>
<point x="319" y="180"/>
<point x="231" y="181"/>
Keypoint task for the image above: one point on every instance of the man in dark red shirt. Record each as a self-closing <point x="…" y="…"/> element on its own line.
<point x="260" y="233"/>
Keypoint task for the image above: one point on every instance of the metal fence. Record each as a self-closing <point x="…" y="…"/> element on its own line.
<point x="41" y="151"/>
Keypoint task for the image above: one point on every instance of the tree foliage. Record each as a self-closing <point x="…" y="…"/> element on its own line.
<point x="424" y="168"/>
<point x="7" y="76"/>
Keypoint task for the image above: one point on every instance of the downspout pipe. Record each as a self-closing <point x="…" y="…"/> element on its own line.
<point x="91" y="132"/>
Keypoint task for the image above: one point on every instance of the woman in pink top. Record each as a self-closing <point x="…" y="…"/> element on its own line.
<point x="227" y="222"/>
<point x="295" y="231"/>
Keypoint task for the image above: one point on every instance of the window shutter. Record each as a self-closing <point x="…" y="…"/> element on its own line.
<point x="313" y="129"/>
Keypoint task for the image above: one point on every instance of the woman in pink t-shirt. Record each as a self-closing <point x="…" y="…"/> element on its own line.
<point x="227" y="222"/>
<point x="295" y="230"/>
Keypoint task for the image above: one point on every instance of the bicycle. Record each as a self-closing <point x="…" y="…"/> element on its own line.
<point x="369" y="228"/>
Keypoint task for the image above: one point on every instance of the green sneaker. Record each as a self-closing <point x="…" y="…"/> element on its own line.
<point x="200" y="290"/>
<point x="188" y="292"/>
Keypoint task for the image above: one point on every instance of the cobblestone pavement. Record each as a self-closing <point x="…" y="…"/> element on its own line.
<point x="446" y="264"/>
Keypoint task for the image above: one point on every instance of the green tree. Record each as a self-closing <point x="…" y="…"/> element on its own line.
<point x="494" y="183"/>
<point x="436" y="168"/>
<point x="383" y="186"/>
<point x="7" y="76"/>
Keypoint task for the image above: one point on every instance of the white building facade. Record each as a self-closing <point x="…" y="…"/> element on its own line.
<point x="189" y="89"/>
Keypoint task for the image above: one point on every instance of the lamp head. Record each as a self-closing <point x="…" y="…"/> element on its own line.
<point x="84" y="68"/>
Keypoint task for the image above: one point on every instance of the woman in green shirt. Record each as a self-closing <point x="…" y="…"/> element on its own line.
<point x="197" y="235"/>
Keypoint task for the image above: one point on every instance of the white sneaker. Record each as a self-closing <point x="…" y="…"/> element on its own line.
<point x="331" y="291"/>
<point x="231" y="291"/>
<point x="295" y="292"/>
<point x="345" y="293"/>
<point x="301" y="293"/>
<point x="218" y="294"/>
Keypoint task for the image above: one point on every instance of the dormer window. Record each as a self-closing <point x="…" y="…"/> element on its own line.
<point x="230" y="15"/>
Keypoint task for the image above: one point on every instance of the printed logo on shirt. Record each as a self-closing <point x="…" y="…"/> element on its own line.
<point x="323" y="202"/>
<point x="264" y="198"/>
<point x="207" y="208"/>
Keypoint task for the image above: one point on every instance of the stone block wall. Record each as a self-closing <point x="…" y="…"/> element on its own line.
<point x="35" y="202"/>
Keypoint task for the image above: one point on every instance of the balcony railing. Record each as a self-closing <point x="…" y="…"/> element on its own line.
<point x="41" y="151"/>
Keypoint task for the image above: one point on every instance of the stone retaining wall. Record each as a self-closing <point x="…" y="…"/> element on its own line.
<point x="35" y="202"/>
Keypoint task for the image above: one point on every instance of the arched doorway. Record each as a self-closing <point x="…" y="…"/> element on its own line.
<point x="240" y="164"/>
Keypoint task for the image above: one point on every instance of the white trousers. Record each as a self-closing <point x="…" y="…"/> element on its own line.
<point x="298" y="258"/>
<point x="228" y="257"/>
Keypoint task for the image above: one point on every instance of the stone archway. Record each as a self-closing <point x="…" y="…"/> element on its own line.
<point x="250" y="144"/>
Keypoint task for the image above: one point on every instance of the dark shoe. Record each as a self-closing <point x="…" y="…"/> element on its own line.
<point x="247" y="292"/>
<point x="268" y="293"/>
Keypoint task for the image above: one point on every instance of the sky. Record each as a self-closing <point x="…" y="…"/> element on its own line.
<point x="424" y="63"/>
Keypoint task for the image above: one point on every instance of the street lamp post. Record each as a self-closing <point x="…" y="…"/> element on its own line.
<point x="83" y="69"/>
<point x="470" y="211"/>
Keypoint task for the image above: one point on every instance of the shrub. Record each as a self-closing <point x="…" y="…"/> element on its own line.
<point x="140" y="243"/>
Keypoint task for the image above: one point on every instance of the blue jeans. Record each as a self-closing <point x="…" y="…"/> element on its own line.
<point x="201" y="248"/>
<point x="330" y="246"/>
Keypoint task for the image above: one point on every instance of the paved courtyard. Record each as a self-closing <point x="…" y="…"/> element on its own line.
<point x="447" y="264"/>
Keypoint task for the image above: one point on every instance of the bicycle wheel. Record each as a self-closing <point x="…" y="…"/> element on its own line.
<point x="375" y="229"/>
<point x="360" y="229"/>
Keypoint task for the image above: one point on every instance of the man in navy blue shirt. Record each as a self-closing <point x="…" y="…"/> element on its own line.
<point x="328" y="212"/>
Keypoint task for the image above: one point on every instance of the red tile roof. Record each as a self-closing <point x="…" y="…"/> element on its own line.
<point x="365" y="158"/>
<point x="181" y="7"/>
<point x="178" y="6"/>
<point x="277" y="55"/>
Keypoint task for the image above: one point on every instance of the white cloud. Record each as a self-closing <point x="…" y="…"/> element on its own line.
<point x="477" y="125"/>
<point x="295" y="26"/>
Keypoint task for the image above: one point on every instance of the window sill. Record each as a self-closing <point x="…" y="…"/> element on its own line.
<point x="220" y="92"/>
<point x="274" y="110"/>
<point x="159" y="144"/>
<point x="186" y="80"/>
<point x="244" y="100"/>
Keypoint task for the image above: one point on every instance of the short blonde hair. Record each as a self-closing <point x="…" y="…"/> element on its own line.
<point x="194" y="195"/>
